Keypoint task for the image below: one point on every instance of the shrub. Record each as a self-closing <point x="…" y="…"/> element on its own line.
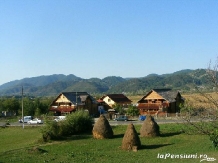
<point x="132" y="110"/>
<point x="51" y="131"/>
<point x="78" y="122"/>
<point x="75" y="123"/>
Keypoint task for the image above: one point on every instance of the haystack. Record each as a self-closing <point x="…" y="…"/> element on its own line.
<point x="149" y="128"/>
<point x="131" y="139"/>
<point x="102" y="129"/>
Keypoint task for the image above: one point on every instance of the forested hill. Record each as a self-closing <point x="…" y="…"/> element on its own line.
<point x="184" y="80"/>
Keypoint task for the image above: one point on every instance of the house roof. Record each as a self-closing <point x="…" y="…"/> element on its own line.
<point x="118" y="98"/>
<point x="167" y="94"/>
<point x="76" y="97"/>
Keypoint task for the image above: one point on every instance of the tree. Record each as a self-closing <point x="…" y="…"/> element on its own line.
<point x="28" y="106"/>
<point x="35" y="106"/>
<point x="41" y="105"/>
<point x="132" y="110"/>
<point x="11" y="104"/>
<point x="207" y="114"/>
<point x="37" y="112"/>
<point x="119" y="109"/>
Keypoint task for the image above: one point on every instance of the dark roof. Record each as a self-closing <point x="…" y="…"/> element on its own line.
<point x="118" y="98"/>
<point x="169" y="95"/>
<point x="76" y="97"/>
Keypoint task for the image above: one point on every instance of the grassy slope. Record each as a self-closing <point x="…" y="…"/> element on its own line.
<point x="16" y="138"/>
<point x="17" y="146"/>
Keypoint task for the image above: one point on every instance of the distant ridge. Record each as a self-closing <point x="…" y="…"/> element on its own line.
<point x="40" y="80"/>
<point x="51" y="85"/>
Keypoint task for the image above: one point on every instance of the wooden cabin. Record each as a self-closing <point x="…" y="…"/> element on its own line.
<point x="111" y="100"/>
<point x="67" y="102"/>
<point x="108" y="102"/>
<point x="160" y="100"/>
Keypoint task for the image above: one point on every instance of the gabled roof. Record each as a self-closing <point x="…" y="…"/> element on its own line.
<point x="167" y="94"/>
<point x="76" y="97"/>
<point x="118" y="98"/>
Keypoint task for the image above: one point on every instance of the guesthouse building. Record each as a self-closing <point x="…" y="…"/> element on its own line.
<point x="160" y="100"/>
<point x="111" y="100"/>
<point x="67" y="102"/>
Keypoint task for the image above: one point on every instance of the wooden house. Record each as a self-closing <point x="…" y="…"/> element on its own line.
<point x="111" y="100"/>
<point x="108" y="102"/>
<point x="160" y="100"/>
<point x="67" y="102"/>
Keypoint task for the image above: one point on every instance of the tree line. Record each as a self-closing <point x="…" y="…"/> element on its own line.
<point x="33" y="106"/>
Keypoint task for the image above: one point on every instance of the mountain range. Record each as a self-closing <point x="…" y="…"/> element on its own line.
<point x="51" y="85"/>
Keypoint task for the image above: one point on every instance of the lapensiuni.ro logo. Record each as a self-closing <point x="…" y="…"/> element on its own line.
<point x="201" y="157"/>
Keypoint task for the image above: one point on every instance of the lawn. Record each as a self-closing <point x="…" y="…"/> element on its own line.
<point x="24" y="145"/>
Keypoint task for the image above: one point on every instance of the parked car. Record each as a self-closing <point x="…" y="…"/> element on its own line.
<point x="121" y="118"/>
<point x="35" y="121"/>
<point x="59" y="118"/>
<point x="25" y="119"/>
<point x="143" y="117"/>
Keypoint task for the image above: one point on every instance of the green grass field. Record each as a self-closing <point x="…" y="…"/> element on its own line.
<point x="25" y="145"/>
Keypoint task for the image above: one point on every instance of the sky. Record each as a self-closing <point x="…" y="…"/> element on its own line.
<point x="100" y="38"/>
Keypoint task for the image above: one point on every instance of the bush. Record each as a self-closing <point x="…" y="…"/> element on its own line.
<point x="78" y="122"/>
<point x="51" y="131"/>
<point x="207" y="122"/>
<point x="75" y="123"/>
<point x="133" y="110"/>
<point x="206" y="115"/>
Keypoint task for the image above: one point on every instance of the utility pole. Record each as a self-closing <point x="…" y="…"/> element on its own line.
<point x="22" y="107"/>
<point x="76" y="101"/>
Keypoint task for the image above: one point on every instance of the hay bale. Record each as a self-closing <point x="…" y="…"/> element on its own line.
<point x="102" y="129"/>
<point x="131" y="139"/>
<point x="149" y="128"/>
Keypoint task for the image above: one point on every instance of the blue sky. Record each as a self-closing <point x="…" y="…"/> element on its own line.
<point x="100" y="38"/>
